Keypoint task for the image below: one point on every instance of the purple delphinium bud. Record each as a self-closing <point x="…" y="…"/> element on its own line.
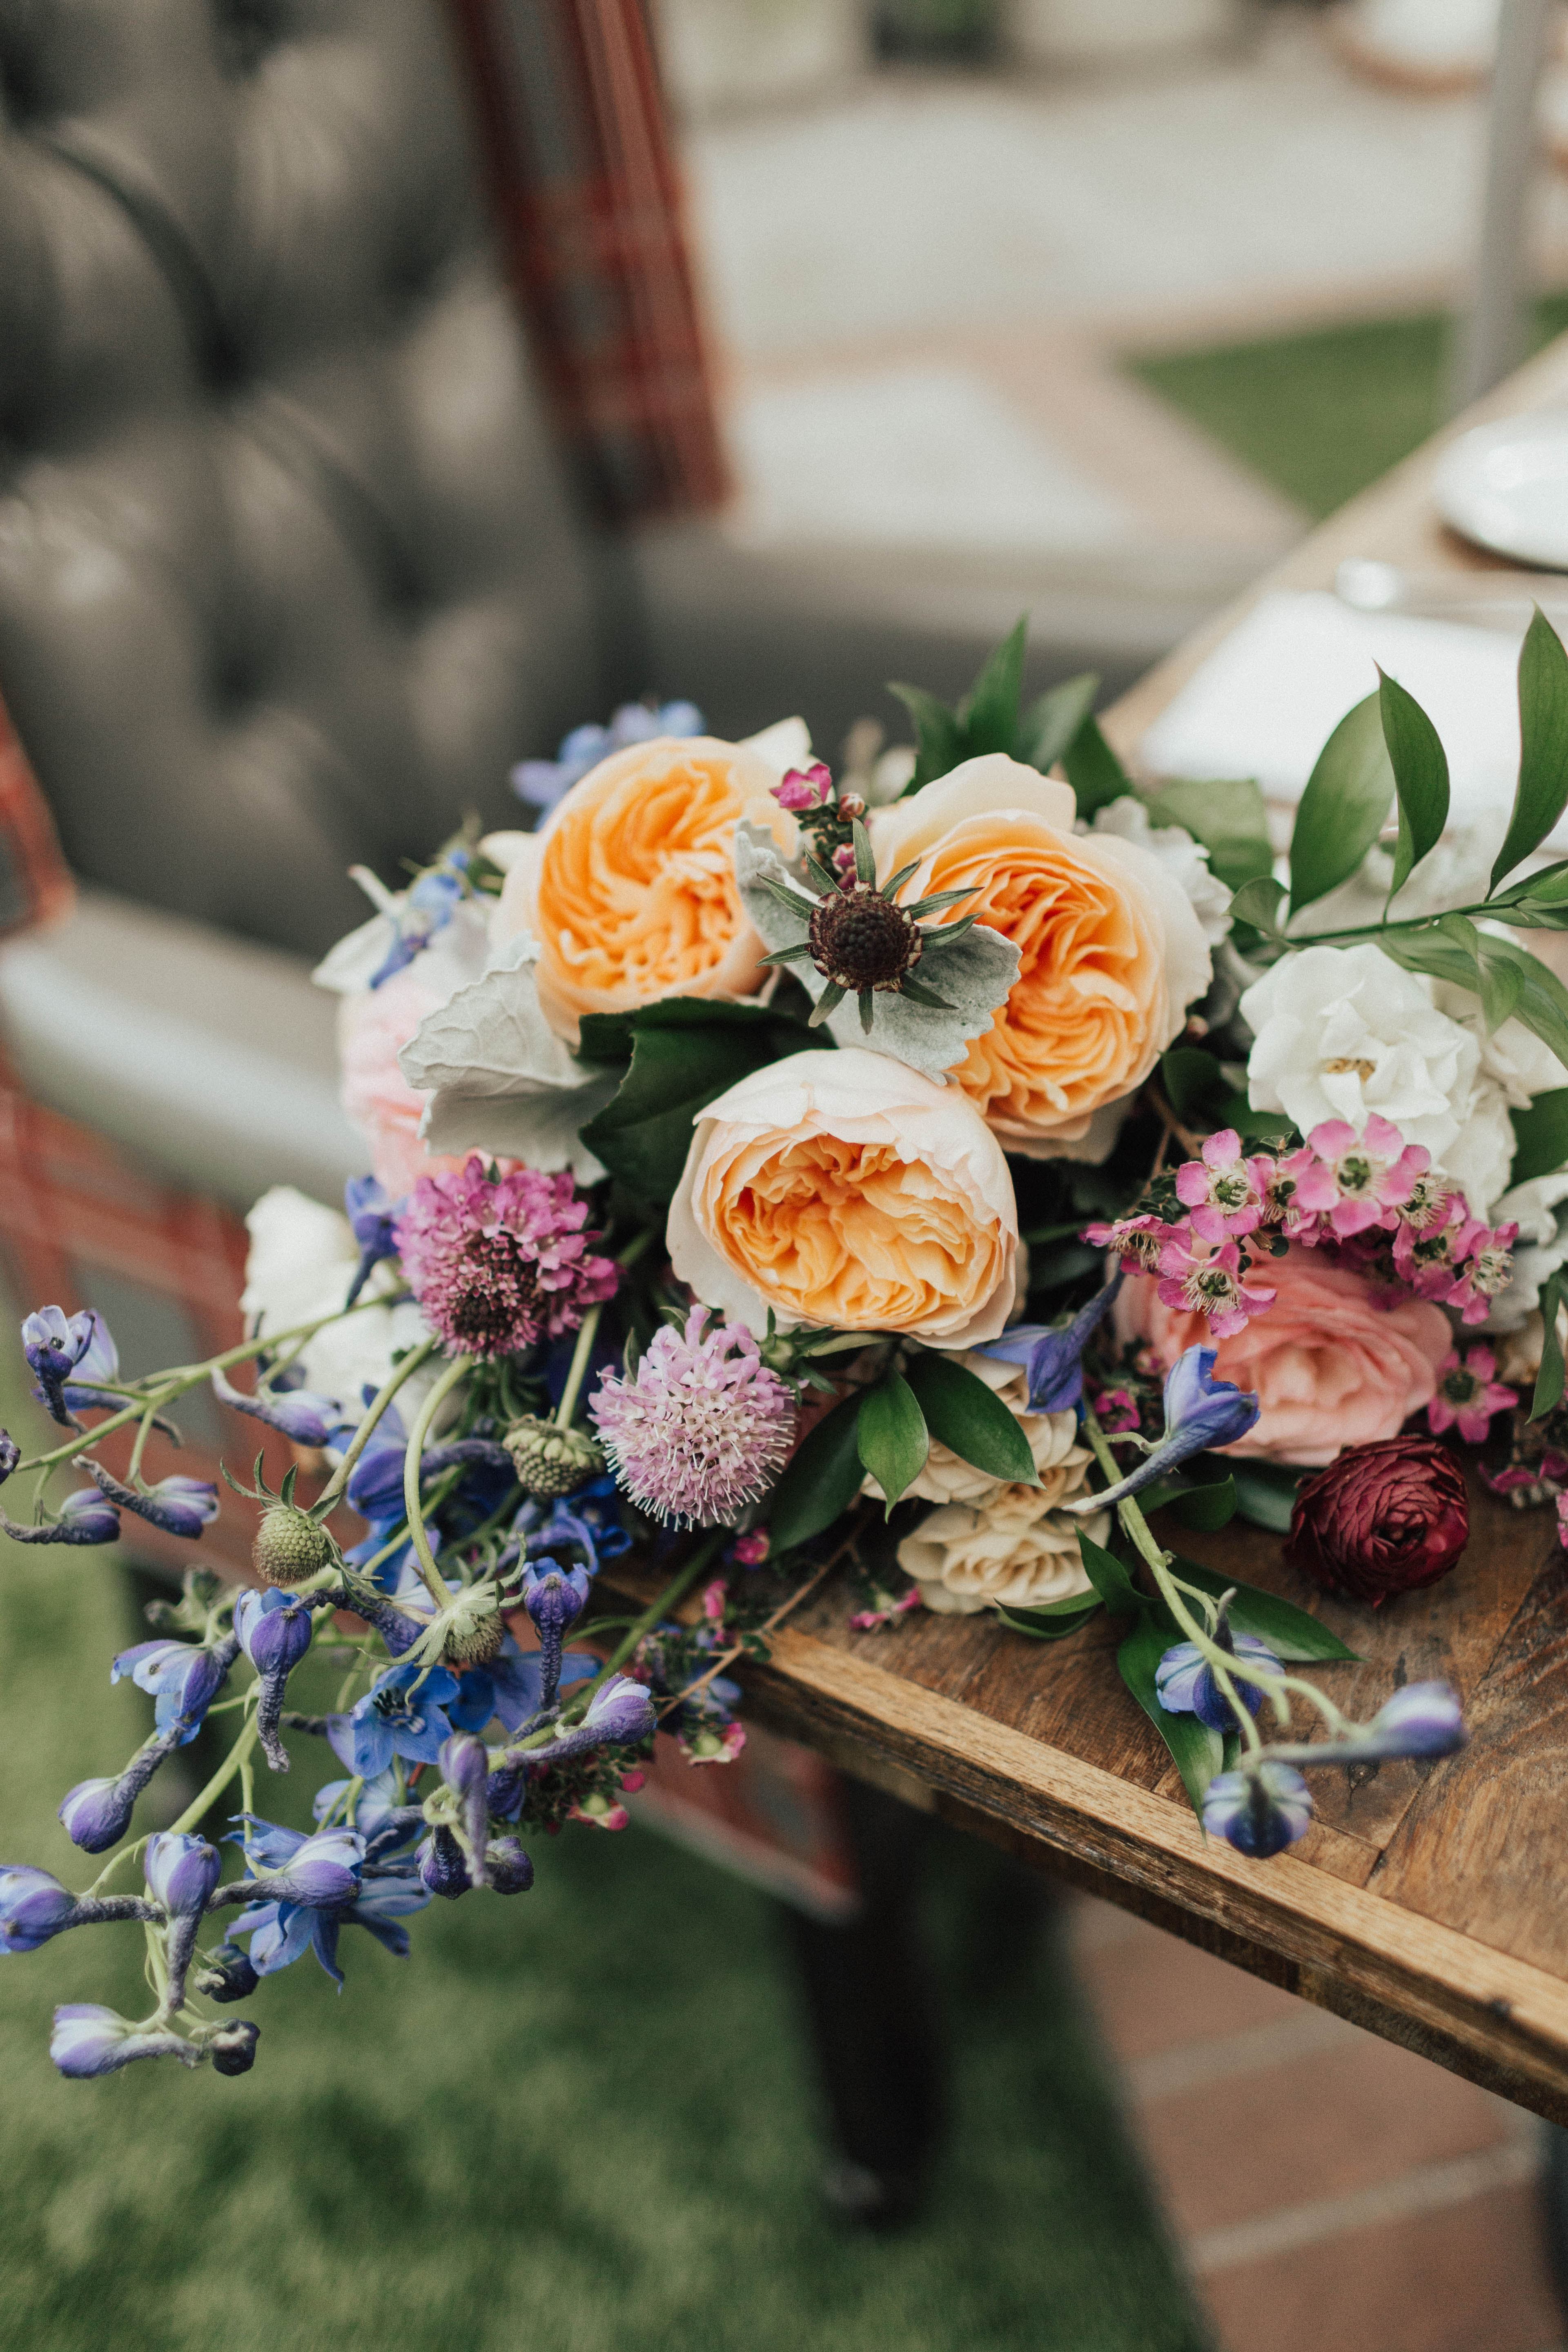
<point x="554" y="1598"/>
<point x="1259" y="1812"/>
<point x="226" y="1974"/>
<point x="1184" y="1683"/>
<point x="1054" y="1359"/>
<point x="510" y="1868"/>
<point x="372" y="1216"/>
<point x="54" y="1344"/>
<point x="10" y="1455"/>
<point x="620" y="1713"/>
<point x="273" y="1629"/>
<point x="325" y="1869"/>
<point x="304" y="1416"/>
<point x="89" y="2040"/>
<point x="182" y="1870"/>
<point x="182" y="1677"/>
<point x="1422" y="1720"/>
<point x="84" y="1517"/>
<point x="99" y="1361"/>
<point x="97" y="1813"/>
<point x="232" y="2048"/>
<point x="1200" y="1412"/>
<point x="180" y="1507"/>
<point x="503" y="1791"/>
<point x="464" y="1768"/>
<point x="33" y="1907"/>
<point x="442" y="1868"/>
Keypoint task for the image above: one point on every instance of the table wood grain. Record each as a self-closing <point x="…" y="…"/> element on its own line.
<point x="1428" y="1902"/>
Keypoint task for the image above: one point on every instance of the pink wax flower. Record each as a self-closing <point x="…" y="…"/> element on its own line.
<point x="1139" y="1240"/>
<point x="1224" y="1192"/>
<point x="1468" y="1393"/>
<point x="1357" y="1181"/>
<point x="1563" y="1521"/>
<point x="805" y="788"/>
<point x="1485" y="1272"/>
<point x="1210" y="1282"/>
<point x="1332" y="1363"/>
<point x="748" y="1551"/>
<point x="714" y="1596"/>
<point x="1429" y="1257"/>
<point x="496" y="1266"/>
<point x="1116" y="1411"/>
<point x="701" y="1428"/>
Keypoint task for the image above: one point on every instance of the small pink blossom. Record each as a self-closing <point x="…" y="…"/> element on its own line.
<point x="713" y="1599"/>
<point x="748" y="1551"/>
<point x="1224" y="1192"/>
<point x="1211" y="1285"/>
<point x="711" y="1744"/>
<point x="1357" y="1180"/>
<point x="805" y="788"/>
<point x="701" y="1428"/>
<point x="632" y="1781"/>
<point x="1428" y="1256"/>
<point x="1485" y="1271"/>
<point x="1141" y="1239"/>
<point x="871" y="1621"/>
<point x="1116" y="1411"/>
<point x="1468" y="1393"/>
<point x="1563" y="1521"/>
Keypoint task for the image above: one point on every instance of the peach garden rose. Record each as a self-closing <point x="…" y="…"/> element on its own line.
<point x="1113" y="951"/>
<point x="843" y="1189"/>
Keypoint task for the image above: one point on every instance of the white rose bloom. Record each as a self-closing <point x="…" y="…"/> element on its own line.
<point x="947" y="1479"/>
<point x="1017" y="1547"/>
<point x="303" y="1259"/>
<point x="1181" y="856"/>
<point x="1537" y="1208"/>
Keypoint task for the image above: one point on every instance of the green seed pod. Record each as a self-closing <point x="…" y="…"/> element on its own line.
<point x="476" y="1641"/>
<point x="551" y="1462"/>
<point x="290" y="1545"/>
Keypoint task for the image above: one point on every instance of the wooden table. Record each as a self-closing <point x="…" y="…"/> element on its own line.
<point x="1429" y="1902"/>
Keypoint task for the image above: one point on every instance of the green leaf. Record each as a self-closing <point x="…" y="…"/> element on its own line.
<point x="1227" y="816"/>
<point x="891" y="1436"/>
<point x="1420" y="775"/>
<point x="1258" y="903"/>
<point x="1549" y="1379"/>
<point x="1540" y="1137"/>
<point x="971" y="1419"/>
<point x="1502" y="985"/>
<point x="1290" y="1632"/>
<point x="821" y="1481"/>
<point x="1193" y="1080"/>
<point x="988" y="714"/>
<point x="937" y="735"/>
<point x="1198" y="1752"/>
<point x="1266" y="1494"/>
<point x="1093" y="769"/>
<point x="1343" y="807"/>
<point x="685" y="1053"/>
<point x="1049" y="727"/>
<point x="1205" y="1506"/>
<point x="1110" y="1579"/>
<point x="1548" y="887"/>
<point x="1542" y="1004"/>
<point x="1055" y="1622"/>
<point x="1541" y="792"/>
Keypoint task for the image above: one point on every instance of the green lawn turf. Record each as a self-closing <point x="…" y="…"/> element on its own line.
<point x="576" y="2121"/>
<point x="1320" y="415"/>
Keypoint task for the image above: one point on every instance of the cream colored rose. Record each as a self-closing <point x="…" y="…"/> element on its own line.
<point x="1113" y="953"/>
<point x="1051" y="1440"/>
<point x="844" y="1189"/>
<point x="1017" y="1548"/>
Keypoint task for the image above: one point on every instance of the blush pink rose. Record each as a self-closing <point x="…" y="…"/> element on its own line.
<point x="373" y="1025"/>
<point x="1330" y="1367"/>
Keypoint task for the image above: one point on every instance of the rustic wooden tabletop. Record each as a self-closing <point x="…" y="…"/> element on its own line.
<point x="1429" y="1902"/>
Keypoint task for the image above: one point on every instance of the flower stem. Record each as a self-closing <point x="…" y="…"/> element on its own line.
<point x="580" y="1355"/>
<point x="456" y="1370"/>
<point x="674" y="1591"/>
<point x="373" y="1411"/>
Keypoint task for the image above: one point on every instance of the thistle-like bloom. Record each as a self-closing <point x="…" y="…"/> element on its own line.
<point x="1055" y="1356"/>
<point x="1261" y="1812"/>
<point x="180" y="1507"/>
<point x="303" y="1415"/>
<point x="89" y="2040"/>
<point x="1184" y="1683"/>
<point x="1201" y="1413"/>
<point x="703" y="1427"/>
<point x="1468" y="1393"/>
<point x="497" y="1265"/>
<point x="1223" y="1191"/>
<point x="33" y="1907"/>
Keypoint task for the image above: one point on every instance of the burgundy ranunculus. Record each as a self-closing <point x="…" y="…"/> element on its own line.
<point x="1381" y="1518"/>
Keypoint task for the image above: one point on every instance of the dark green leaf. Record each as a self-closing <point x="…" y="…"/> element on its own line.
<point x="821" y="1481"/>
<point x="1227" y="816"/>
<point x="1199" y="1751"/>
<point x="1502" y="985"/>
<point x="1420" y="775"/>
<point x="1045" y="734"/>
<point x="1110" y="1579"/>
<point x="1193" y="1080"/>
<point x="971" y="1419"/>
<point x="1258" y="903"/>
<point x="1543" y="1003"/>
<point x="891" y="1436"/>
<point x="1290" y="1632"/>
<point x="1093" y="769"/>
<point x="1203" y="1507"/>
<point x="1540" y="1137"/>
<point x="1542" y="793"/>
<point x="1055" y="1622"/>
<point x="937" y="735"/>
<point x="1549" y="1379"/>
<point x="1549" y="886"/>
<point x="1429" y="952"/>
<point x="1343" y="807"/>
<point x="685" y="1053"/>
<point x="1266" y="1494"/>
<point x="989" y="712"/>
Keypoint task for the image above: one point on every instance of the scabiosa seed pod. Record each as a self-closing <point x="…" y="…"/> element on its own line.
<point x="551" y="1462"/>
<point x="1381" y="1518"/>
<point x="859" y="939"/>
<point x="290" y="1545"/>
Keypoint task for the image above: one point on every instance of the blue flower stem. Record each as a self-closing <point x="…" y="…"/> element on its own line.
<point x="373" y="1411"/>
<point x="457" y="1370"/>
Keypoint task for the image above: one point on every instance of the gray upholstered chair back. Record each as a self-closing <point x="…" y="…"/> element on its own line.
<point x="288" y="572"/>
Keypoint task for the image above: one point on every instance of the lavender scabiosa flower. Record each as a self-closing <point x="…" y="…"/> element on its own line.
<point x="496" y="1266"/>
<point x="701" y="1429"/>
<point x="1259" y="1810"/>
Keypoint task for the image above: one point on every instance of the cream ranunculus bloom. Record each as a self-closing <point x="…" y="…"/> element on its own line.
<point x="629" y="885"/>
<point x="1017" y="1547"/>
<point x="1113" y="953"/>
<point x="843" y="1189"/>
<point x="947" y="1479"/>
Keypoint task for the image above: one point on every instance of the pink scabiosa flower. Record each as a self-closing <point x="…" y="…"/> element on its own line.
<point x="1211" y="1282"/>
<point x="496" y="1264"/>
<point x="1468" y="1393"/>
<point x="1224" y="1193"/>
<point x="805" y="788"/>
<point x="1138" y="1240"/>
<point x="703" y="1427"/>
<point x="1356" y="1181"/>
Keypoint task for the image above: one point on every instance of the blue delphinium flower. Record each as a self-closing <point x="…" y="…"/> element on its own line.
<point x="54" y="1344"/>
<point x="183" y="1678"/>
<point x="554" y="1598"/>
<point x="89" y="2040"/>
<point x="373" y="1218"/>
<point x="329" y="1885"/>
<point x="511" y="1687"/>
<point x="1259" y="1810"/>
<point x="84" y="1517"/>
<point x="1184" y="1683"/>
<point x="620" y="1713"/>
<point x="99" y="1361"/>
<point x="303" y="1415"/>
<point x="33" y="1907"/>
<point x="403" y="1714"/>
<point x="541" y="783"/>
<point x="1054" y="1357"/>
<point x="182" y="1870"/>
<point x="428" y="908"/>
<point x="273" y="1629"/>
<point x="1422" y="1720"/>
<point x="375" y="1483"/>
<point x="180" y="1507"/>
<point x="1201" y="1412"/>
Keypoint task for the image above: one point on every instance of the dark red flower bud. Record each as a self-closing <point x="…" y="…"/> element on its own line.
<point x="1382" y="1519"/>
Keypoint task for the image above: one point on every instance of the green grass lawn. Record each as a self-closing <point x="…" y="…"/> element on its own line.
<point x="578" y="2120"/>
<point x="1320" y="415"/>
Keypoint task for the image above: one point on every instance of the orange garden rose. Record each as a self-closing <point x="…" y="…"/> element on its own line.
<point x="844" y="1189"/>
<point x="629" y="885"/>
<point x="1112" y="952"/>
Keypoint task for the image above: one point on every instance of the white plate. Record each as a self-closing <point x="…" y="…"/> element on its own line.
<point x="1506" y="486"/>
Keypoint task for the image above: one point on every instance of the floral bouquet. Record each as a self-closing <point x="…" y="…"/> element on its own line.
<point x="925" y="1175"/>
